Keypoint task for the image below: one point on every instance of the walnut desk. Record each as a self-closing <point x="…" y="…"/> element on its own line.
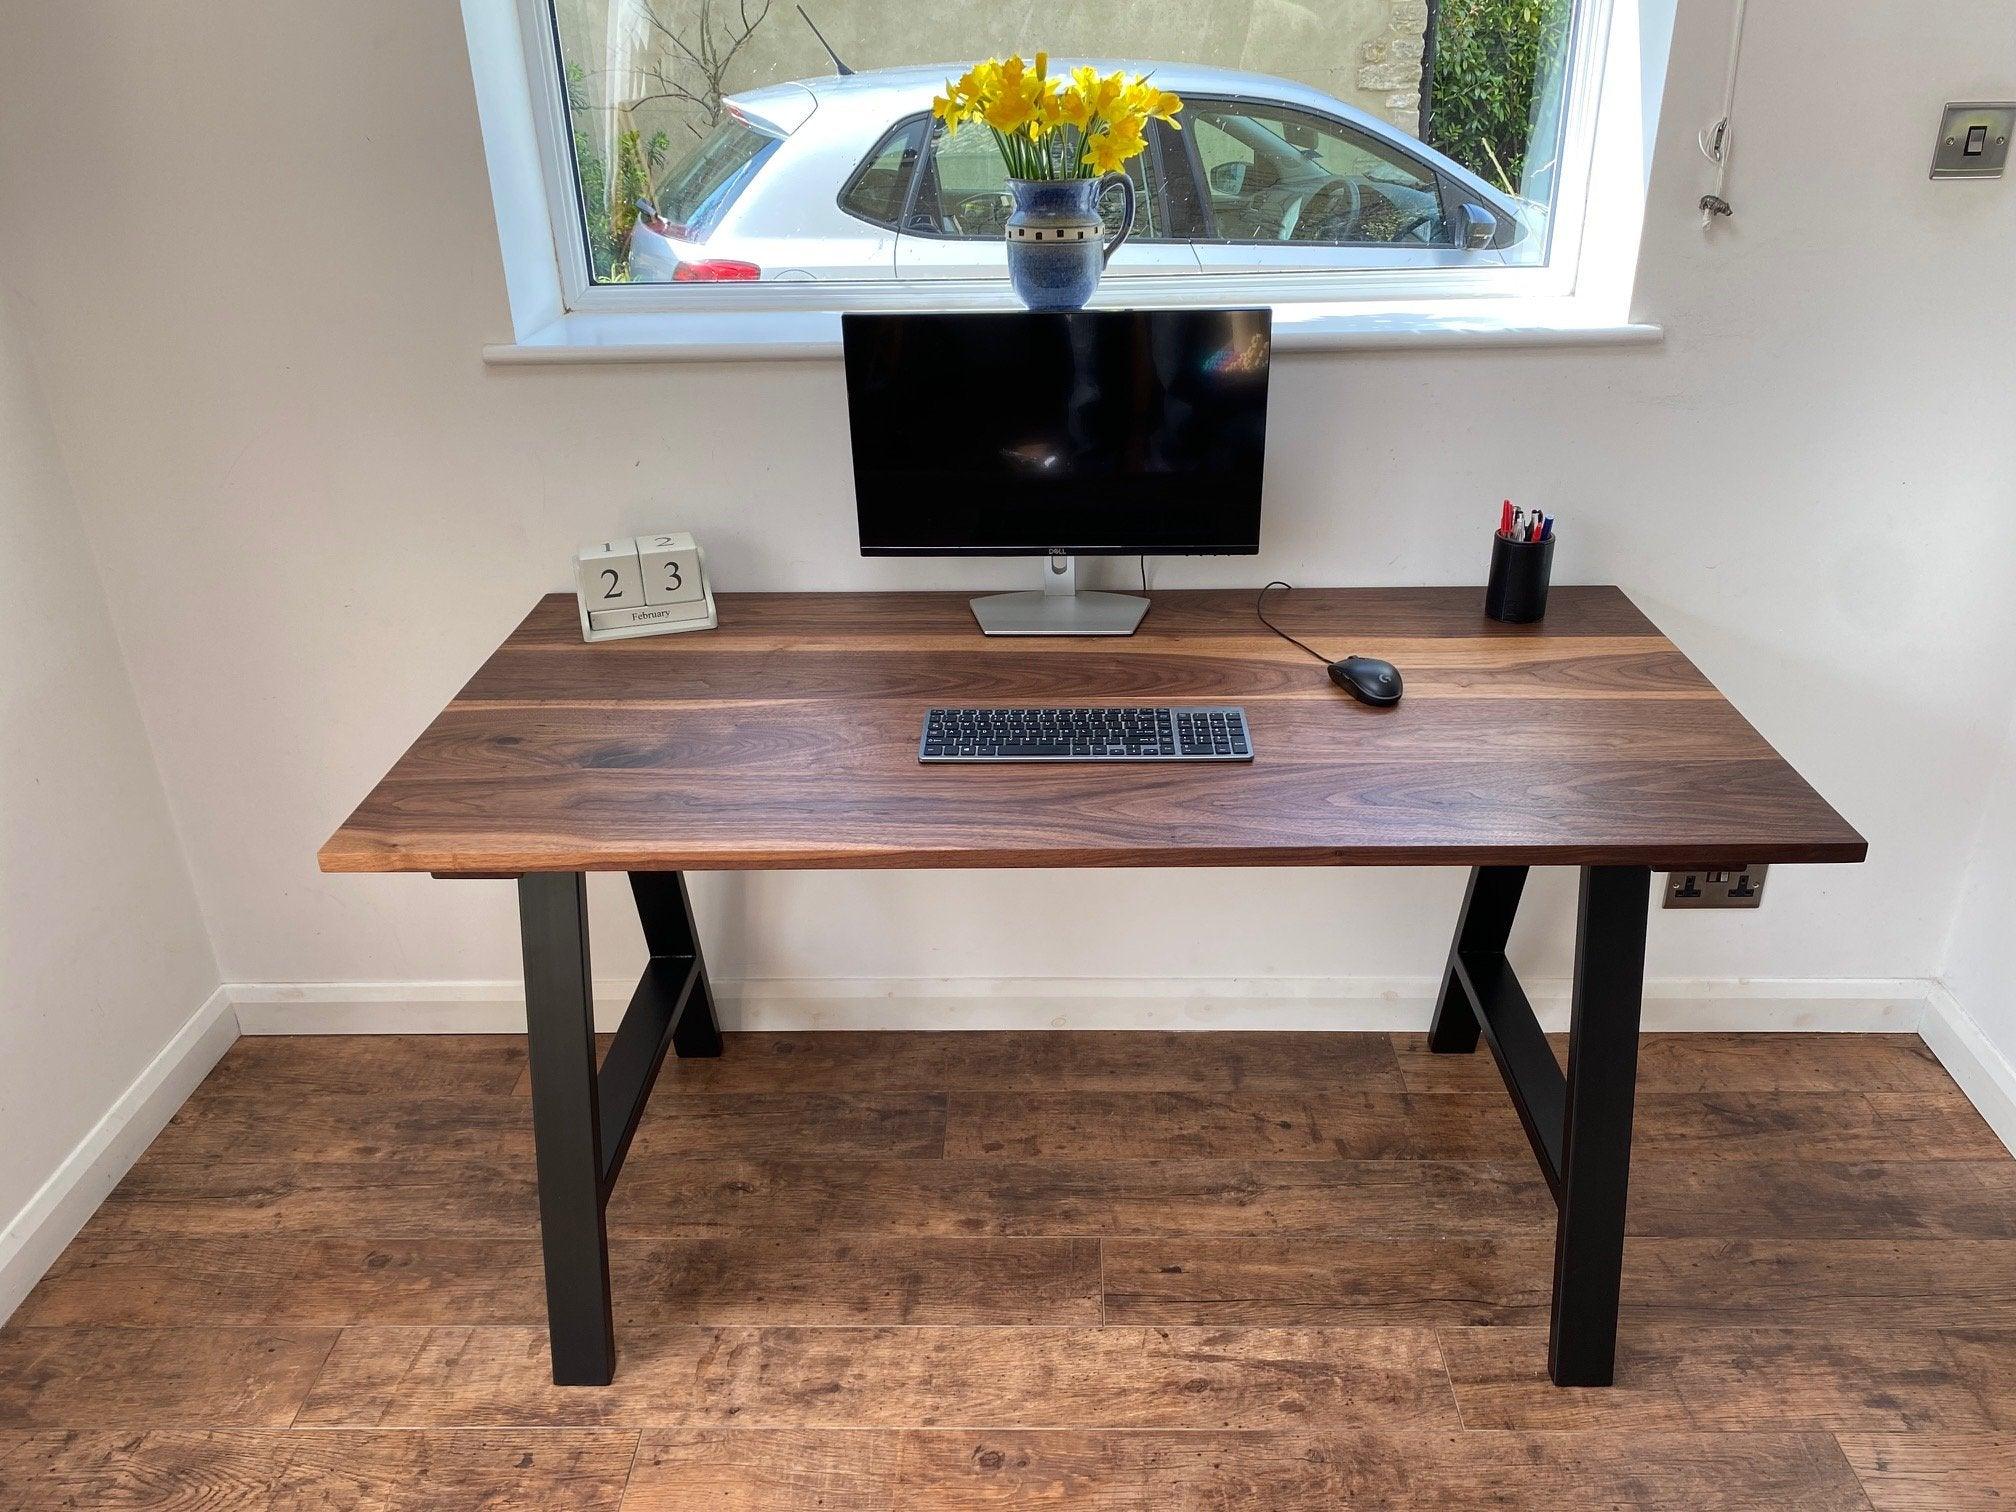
<point x="787" y="739"/>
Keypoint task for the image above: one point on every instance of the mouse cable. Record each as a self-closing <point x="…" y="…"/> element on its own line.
<point x="1259" y="609"/>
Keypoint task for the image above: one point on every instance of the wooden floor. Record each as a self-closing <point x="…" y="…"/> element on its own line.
<point x="1087" y="1271"/>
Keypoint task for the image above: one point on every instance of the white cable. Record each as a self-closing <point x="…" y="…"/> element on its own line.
<point x="1716" y="140"/>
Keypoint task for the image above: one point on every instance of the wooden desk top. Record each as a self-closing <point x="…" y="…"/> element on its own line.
<point x="788" y="739"/>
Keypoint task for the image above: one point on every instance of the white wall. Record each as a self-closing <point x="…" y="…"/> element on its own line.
<point x="261" y="265"/>
<point x="103" y="956"/>
<point x="1981" y="954"/>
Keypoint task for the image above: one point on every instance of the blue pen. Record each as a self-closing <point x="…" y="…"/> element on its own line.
<point x="1547" y="530"/>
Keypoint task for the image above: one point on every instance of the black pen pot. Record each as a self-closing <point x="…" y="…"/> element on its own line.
<point x="1517" y="590"/>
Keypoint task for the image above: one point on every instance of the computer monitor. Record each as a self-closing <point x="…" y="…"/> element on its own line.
<point x="1058" y="435"/>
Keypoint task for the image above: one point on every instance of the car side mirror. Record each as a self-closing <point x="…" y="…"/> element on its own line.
<point x="1476" y="227"/>
<point x="1227" y="179"/>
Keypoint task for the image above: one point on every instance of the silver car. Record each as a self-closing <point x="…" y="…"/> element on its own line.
<point x="848" y="177"/>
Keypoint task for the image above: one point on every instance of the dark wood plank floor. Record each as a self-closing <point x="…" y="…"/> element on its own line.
<point x="1085" y="1270"/>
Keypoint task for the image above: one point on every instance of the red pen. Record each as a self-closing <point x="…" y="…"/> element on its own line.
<point x="1505" y="519"/>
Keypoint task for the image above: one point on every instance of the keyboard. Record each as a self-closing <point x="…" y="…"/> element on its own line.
<point x="1150" y="733"/>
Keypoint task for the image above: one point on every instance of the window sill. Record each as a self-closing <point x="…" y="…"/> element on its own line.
<point x="814" y="335"/>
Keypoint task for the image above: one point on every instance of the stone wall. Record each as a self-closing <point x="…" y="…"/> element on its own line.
<point x="1389" y="78"/>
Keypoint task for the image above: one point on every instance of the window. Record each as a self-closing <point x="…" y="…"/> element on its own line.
<point x="1380" y="149"/>
<point x="881" y="185"/>
<point x="700" y="188"/>
<point x="1286" y="176"/>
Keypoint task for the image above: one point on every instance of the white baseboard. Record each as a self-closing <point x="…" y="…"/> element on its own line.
<point x="1361" y="1003"/>
<point x="1976" y="1066"/>
<point x="35" y="1236"/>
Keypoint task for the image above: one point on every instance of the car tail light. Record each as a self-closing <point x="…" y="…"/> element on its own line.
<point x="715" y="270"/>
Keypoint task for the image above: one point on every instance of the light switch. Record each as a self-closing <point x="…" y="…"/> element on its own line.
<point x="1973" y="141"/>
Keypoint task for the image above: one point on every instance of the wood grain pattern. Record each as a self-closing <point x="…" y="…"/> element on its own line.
<point x="1720" y="1063"/>
<point x="157" y="1377"/>
<point x="1278" y="1281"/>
<point x="1930" y="1472"/>
<point x="1087" y="1320"/>
<point x="574" y="1470"/>
<point x="1000" y="1061"/>
<point x="1313" y="1470"/>
<point x="1823" y="1198"/>
<point x="360" y="1128"/>
<point x="787" y="739"/>
<point x="1100" y="1198"/>
<point x="888" y="1377"/>
<point x="168" y="1192"/>
<point x="1228" y="1126"/>
<point x="1436" y="1125"/>
<point x="1874" y="1379"/>
<point x="339" y="1279"/>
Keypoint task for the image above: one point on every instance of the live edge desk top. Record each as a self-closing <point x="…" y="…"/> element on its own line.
<point x="787" y="739"/>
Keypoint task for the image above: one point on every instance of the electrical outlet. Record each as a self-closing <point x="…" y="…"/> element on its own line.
<point x="1742" y="887"/>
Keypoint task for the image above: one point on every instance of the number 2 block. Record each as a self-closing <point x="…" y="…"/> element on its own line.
<point x="671" y="568"/>
<point x="608" y="576"/>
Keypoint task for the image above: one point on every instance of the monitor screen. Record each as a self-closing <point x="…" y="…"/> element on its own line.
<point x="1088" y="432"/>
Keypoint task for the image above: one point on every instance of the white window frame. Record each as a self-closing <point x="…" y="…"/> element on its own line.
<point x="1579" y="295"/>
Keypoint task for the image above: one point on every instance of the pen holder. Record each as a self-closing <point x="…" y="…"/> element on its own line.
<point x="1517" y="590"/>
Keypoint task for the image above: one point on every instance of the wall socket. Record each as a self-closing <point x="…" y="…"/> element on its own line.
<point x="1739" y="888"/>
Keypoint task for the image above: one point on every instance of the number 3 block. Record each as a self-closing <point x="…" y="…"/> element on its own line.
<point x="671" y="565"/>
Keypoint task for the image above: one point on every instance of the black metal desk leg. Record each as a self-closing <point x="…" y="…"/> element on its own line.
<point x="666" y="910"/>
<point x="1596" y="1143"/>
<point x="560" y="1040"/>
<point x="1484" y="926"/>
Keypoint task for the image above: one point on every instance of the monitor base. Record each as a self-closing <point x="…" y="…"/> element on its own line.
<point x="1040" y="613"/>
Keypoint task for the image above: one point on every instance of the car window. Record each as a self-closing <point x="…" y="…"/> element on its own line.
<point x="882" y="182"/>
<point x="698" y="191"/>
<point x="1274" y="174"/>
<point x="964" y="191"/>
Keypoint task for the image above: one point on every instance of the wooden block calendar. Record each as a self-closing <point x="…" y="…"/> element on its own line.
<point x="643" y="585"/>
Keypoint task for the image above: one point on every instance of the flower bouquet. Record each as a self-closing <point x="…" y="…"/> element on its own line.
<point x="1062" y="141"/>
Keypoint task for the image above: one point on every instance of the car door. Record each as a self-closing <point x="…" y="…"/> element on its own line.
<point x="1284" y="188"/>
<point x="958" y="214"/>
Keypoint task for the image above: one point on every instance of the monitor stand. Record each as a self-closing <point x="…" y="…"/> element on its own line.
<point x="1058" y="608"/>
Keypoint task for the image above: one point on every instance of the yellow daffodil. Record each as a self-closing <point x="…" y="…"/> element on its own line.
<point x="1146" y="100"/>
<point x="1050" y="128"/>
<point x="1107" y="150"/>
<point x="1006" y="113"/>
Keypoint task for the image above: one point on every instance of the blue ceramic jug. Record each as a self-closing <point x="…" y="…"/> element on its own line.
<point x="1056" y="246"/>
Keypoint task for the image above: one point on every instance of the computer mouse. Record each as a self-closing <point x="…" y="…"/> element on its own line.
<point x="1368" y="679"/>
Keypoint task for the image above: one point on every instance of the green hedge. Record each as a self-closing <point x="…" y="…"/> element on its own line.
<point x="1488" y="57"/>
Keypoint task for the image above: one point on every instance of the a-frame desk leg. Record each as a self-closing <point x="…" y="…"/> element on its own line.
<point x="583" y="1117"/>
<point x="1578" y="1123"/>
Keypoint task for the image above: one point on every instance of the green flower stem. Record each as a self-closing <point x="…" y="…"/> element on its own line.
<point x="1035" y="158"/>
